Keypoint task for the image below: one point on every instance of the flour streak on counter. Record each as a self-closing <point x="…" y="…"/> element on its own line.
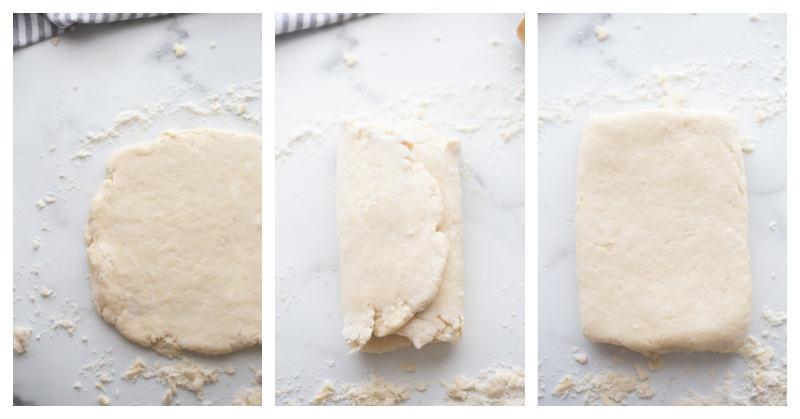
<point x="732" y="74"/>
<point x="509" y="122"/>
<point x="232" y="103"/>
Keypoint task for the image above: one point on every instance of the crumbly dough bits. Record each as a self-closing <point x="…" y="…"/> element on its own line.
<point x="399" y="236"/>
<point x="174" y="239"/>
<point x="661" y="231"/>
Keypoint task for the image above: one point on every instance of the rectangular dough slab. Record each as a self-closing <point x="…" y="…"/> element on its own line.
<point x="661" y="231"/>
<point x="398" y="197"/>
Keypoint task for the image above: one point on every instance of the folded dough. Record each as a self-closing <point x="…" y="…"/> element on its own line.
<point x="661" y="231"/>
<point x="398" y="198"/>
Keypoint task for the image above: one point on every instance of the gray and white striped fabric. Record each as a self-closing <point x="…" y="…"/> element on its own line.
<point x="30" y="28"/>
<point x="291" y="22"/>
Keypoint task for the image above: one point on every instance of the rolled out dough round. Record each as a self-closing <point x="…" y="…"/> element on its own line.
<point x="175" y="242"/>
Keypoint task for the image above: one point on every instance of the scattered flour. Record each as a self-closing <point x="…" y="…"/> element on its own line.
<point x="327" y="392"/>
<point x="608" y="388"/>
<point x="141" y="118"/>
<point x="249" y="396"/>
<point x="655" y="363"/>
<point x="673" y="97"/>
<point x="186" y="373"/>
<point x="668" y="87"/>
<point x="375" y="392"/>
<point x="288" y="299"/>
<point x="773" y="317"/>
<point x="315" y="133"/>
<point x="95" y="369"/>
<point x="81" y="155"/>
<point x="454" y="111"/>
<point x="501" y="386"/>
<point x="231" y="103"/>
<point x="410" y="367"/>
<point x="493" y="386"/>
<point x="581" y="358"/>
<point x="288" y="388"/>
<point x="564" y="386"/>
<point x="643" y="389"/>
<point x="70" y="316"/>
<point x="723" y="395"/>
<point x="66" y="324"/>
<point x="763" y="384"/>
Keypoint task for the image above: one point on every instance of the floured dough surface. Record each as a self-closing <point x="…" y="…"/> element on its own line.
<point x="175" y="242"/>
<point x="399" y="217"/>
<point x="661" y="231"/>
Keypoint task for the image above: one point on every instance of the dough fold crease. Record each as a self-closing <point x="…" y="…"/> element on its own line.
<point x="398" y="208"/>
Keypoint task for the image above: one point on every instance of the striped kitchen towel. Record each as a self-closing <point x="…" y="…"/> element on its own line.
<point x="30" y="28"/>
<point x="291" y="22"/>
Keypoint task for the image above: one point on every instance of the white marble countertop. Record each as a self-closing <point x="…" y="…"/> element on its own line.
<point x="731" y="62"/>
<point x="124" y="77"/>
<point x="468" y="83"/>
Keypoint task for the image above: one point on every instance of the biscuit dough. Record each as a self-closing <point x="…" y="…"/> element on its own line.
<point x="21" y="338"/>
<point x="601" y="32"/>
<point x="174" y="239"/>
<point x="661" y="232"/>
<point x="398" y="209"/>
<point x="179" y="50"/>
